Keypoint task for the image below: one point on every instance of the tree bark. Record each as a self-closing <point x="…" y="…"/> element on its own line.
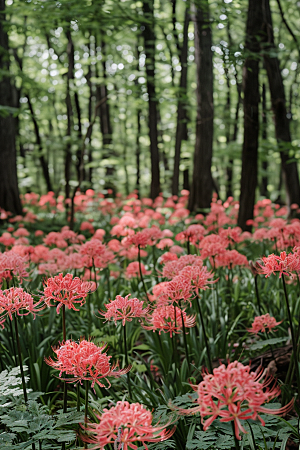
<point x="43" y="162"/>
<point x="70" y="75"/>
<point x="202" y="184"/>
<point x="181" y="127"/>
<point x="264" y="179"/>
<point x="9" y="191"/>
<point x="149" y="47"/>
<point x="251" y="119"/>
<point x="282" y="124"/>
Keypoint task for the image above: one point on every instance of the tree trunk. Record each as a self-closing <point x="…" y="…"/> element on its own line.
<point x="202" y="184"/>
<point x="70" y="74"/>
<point x="149" y="47"/>
<point x="251" y="119"/>
<point x="181" y="127"/>
<point x="282" y="124"/>
<point x="264" y="179"/>
<point x="9" y="191"/>
<point x="43" y="162"/>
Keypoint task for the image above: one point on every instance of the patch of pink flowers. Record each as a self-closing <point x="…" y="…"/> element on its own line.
<point x="65" y="290"/>
<point x="263" y="323"/>
<point x="169" y="320"/>
<point x="234" y="394"/>
<point x="85" y="361"/>
<point x="125" y="424"/>
<point x="125" y="309"/>
<point x="16" y="301"/>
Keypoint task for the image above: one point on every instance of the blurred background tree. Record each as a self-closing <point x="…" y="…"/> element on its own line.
<point x="166" y="85"/>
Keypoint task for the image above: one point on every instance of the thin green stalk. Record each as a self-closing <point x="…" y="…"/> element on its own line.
<point x="236" y="442"/>
<point x="20" y="360"/>
<point x="140" y="270"/>
<point x="127" y="361"/>
<point x="184" y="338"/>
<point x="154" y="263"/>
<point x="257" y="295"/>
<point x="108" y="282"/>
<point x="293" y="336"/>
<point x="78" y="396"/>
<point x="188" y="248"/>
<point x="13" y="342"/>
<point x="65" y="395"/>
<point x="204" y="335"/>
<point x="86" y="406"/>
<point x="21" y="366"/>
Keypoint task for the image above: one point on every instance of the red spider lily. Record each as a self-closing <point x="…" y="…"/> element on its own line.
<point x="125" y="309"/>
<point x="169" y="320"/>
<point x="94" y="253"/>
<point x="197" y="277"/>
<point x="233" y="393"/>
<point x="66" y="290"/>
<point x="133" y="270"/>
<point x="193" y="234"/>
<point x="126" y="423"/>
<point x="173" y="268"/>
<point x="212" y="245"/>
<point x="16" y="300"/>
<point x="261" y="323"/>
<point x="12" y="265"/>
<point x="85" y="361"/>
<point x="178" y="289"/>
<point x="284" y="264"/>
<point x="231" y="258"/>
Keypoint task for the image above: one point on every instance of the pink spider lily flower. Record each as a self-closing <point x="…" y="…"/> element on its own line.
<point x="285" y="264"/>
<point x="125" y="424"/>
<point x="125" y="309"/>
<point x="66" y="290"/>
<point x="233" y="393"/>
<point x="85" y="361"/>
<point x="133" y="270"/>
<point x="262" y="323"/>
<point x="197" y="277"/>
<point x="13" y="265"/>
<point x="16" y="300"/>
<point x="168" y="319"/>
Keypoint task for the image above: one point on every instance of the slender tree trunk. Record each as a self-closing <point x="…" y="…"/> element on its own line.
<point x="282" y="124"/>
<point x="149" y="47"/>
<point x="181" y="127"/>
<point x="43" y="162"/>
<point x="70" y="75"/>
<point x="251" y="119"/>
<point x="202" y="185"/>
<point x="264" y="179"/>
<point x="9" y="191"/>
<point x="105" y="121"/>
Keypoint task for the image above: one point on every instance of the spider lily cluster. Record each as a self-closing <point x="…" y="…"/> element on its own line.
<point x="153" y="289"/>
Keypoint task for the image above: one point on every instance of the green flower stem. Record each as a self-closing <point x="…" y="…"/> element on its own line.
<point x="86" y="406"/>
<point x="236" y="442"/>
<point x="107" y="272"/>
<point x="293" y="336"/>
<point x="184" y="338"/>
<point x="21" y="366"/>
<point x="20" y="359"/>
<point x="257" y="295"/>
<point x="13" y="342"/>
<point x="140" y="270"/>
<point x="126" y="360"/>
<point x="205" y="337"/>
<point x="78" y="396"/>
<point x="154" y="263"/>
<point x="65" y="395"/>
<point x="188" y="247"/>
